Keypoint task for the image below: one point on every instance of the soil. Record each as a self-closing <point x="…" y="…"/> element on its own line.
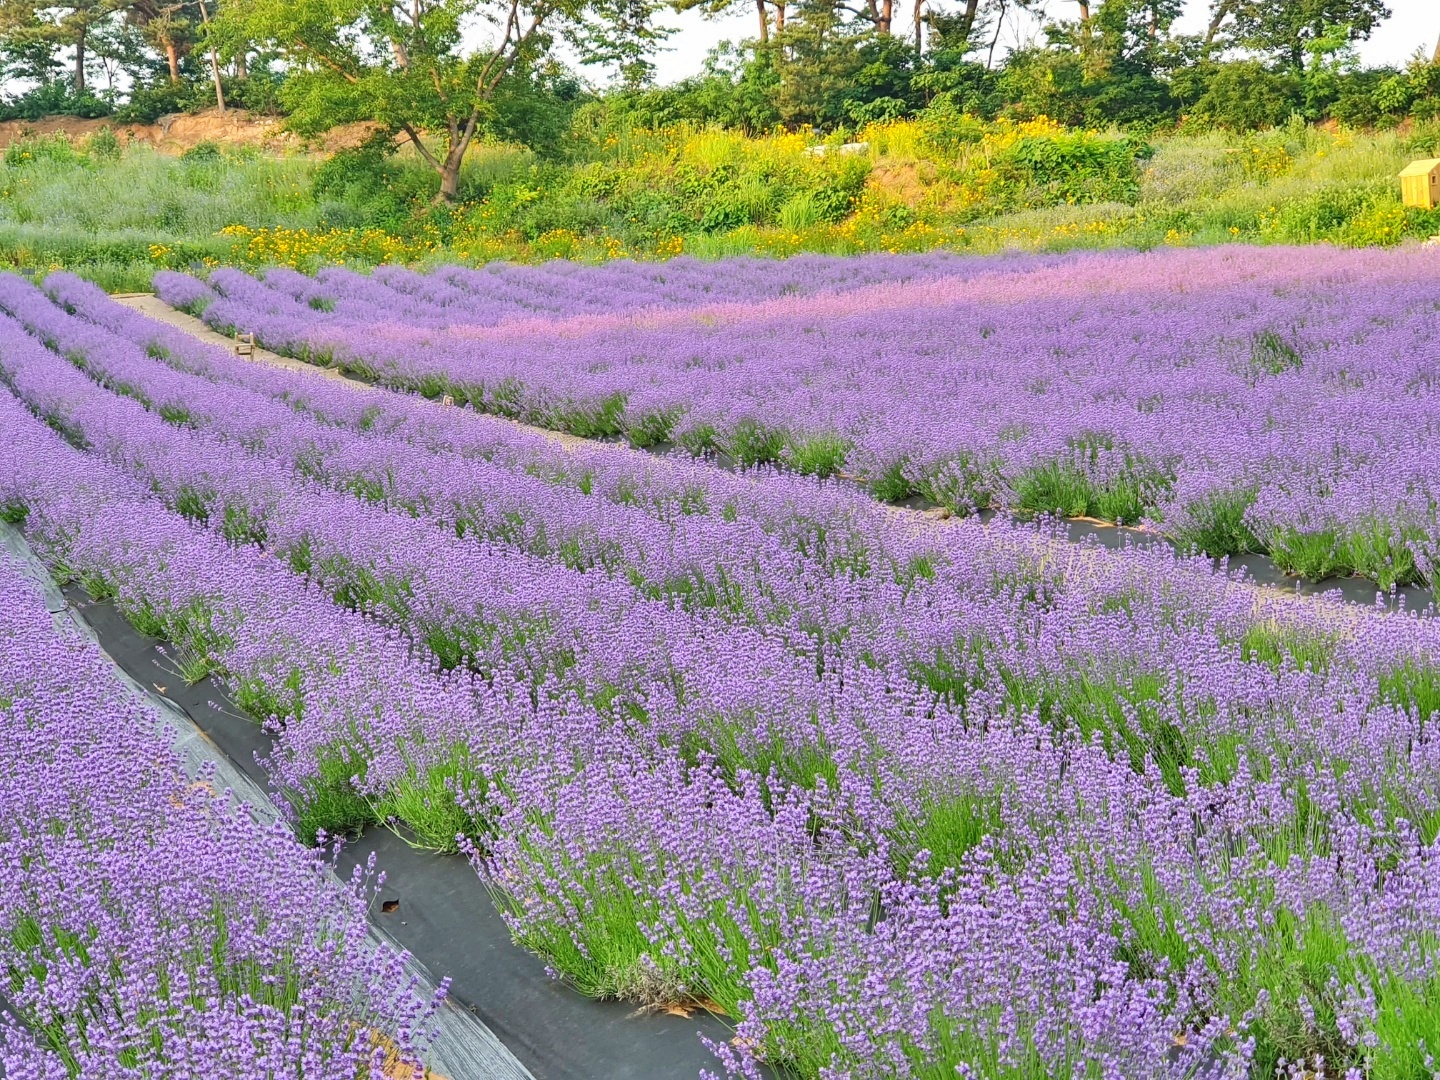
<point x="151" y="305"/>
<point x="182" y="131"/>
<point x="907" y="182"/>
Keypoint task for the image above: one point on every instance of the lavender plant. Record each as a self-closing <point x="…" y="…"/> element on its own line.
<point x="149" y="926"/>
<point x="1237" y="399"/>
<point x="959" y="801"/>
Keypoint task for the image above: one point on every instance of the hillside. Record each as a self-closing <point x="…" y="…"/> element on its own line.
<point x="117" y="203"/>
<point x="179" y="132"/>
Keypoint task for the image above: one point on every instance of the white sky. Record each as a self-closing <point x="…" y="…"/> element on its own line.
<point x="1412" y="24"/>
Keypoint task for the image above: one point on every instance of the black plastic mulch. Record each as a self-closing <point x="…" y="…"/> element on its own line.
<point x="445" y="917"/>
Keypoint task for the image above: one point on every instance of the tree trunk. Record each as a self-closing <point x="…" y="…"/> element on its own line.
<point x="1435" y="57"/>
<point x="919" y="10"/>
<point x="967" y="20"/>
<point x="450" y="182"/>
<point x="1084" y="18"/>
<point x="172" y="57"/>
<point x="449" y="168"/>
<point x="779" y="16"/>
<point x="999" y="26"/>
<point x="887" y="15"/>
<point x="1222" y="9"/>
<point x="214" y="65"/>
<point x="80" y="63"/>
<point x="764" y="21"/>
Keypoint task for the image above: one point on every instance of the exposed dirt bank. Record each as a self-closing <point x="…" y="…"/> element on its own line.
<point x="180" y="132"/>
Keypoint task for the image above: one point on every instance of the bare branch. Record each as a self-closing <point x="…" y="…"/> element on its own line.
<point x="423" y="150"/>
<point x="511" y="21"/>
<point x="514" y="55"/>
<point x="1222" y="11"/>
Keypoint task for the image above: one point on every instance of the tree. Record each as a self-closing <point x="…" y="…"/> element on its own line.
<point x="716" y="8"/>
<point x="956" y="30"/>
<point x="835" y="67"/>
<point x="1246" y="95"/>
<point x="1104" y="68"/>
<point x="166" y="28"/>
<point x="29" y="55"/>
<point x="402" y="63"/>
<point x="1288" y="30"/>
<point x="37" y="24"/>
<point x="736" y="89"/>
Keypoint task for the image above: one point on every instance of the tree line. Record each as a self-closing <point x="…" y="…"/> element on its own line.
<point x="441" y="74"/>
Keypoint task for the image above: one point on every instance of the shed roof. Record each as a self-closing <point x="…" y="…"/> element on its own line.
<point x="1423" y="167"/>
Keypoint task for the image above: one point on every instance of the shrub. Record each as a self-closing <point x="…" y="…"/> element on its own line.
<point x="35" y="149"/>
<point x="104" y="146"/>
<point x="1245" y="96"/>
<point x="56" y="97"/>
<point x="1075" y="167"/>
<point x="205" y="152"/>
<point x="1358" y="216"/>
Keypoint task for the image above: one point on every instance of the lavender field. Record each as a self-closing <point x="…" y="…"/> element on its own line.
<point x="152" y="927"/>
<point x="896" y="797"/>
<point x="1238" y="400"/>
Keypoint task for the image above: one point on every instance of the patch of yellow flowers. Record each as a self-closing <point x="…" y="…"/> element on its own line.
<point x="302" y="248"/>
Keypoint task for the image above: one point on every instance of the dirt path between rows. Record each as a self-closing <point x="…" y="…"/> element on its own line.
<point x="151" y="305"/>
<point x="1352" y="591"/>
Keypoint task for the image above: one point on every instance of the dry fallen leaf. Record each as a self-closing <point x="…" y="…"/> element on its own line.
<point x="686" y="1008"/>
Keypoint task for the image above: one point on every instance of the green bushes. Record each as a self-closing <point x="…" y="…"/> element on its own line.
<point x="1352" y="215"/>
<point x="1246" y="95"/>
<point x="679" y="182"/>
<point x="1077" y="167"/>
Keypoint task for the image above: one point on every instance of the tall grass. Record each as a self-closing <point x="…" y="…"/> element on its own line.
<point x="115" y="215"/>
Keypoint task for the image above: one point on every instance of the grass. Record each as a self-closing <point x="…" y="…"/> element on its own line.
<point x="1216" y="524"/>
<point x="117" y="217"/>
<point x="1279" y="647"/>
<point x="945" y="830"/>
<point x="438" y="804"/>
<point x="1377" y="549"/>
<point x="1413" y="687"/>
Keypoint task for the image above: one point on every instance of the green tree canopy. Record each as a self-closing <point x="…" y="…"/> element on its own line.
<point x="1288" y="30"/>
<point x="407" y="66"/>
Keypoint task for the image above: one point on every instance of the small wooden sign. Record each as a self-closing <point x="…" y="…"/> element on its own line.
<point x="245" y="345"/>
<point x="447" y="400"/>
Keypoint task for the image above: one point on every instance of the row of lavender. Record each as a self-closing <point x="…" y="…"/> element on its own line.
<point x="503" y="292"/>
<point x="1281" y="401"/>
<point x="993" y="807"/>
<point x="151" y="927"/>
<point x="717" y="858"/>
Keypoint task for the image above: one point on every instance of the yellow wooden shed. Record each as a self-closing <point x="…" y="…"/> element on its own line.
<point x="1420" y="183"/>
